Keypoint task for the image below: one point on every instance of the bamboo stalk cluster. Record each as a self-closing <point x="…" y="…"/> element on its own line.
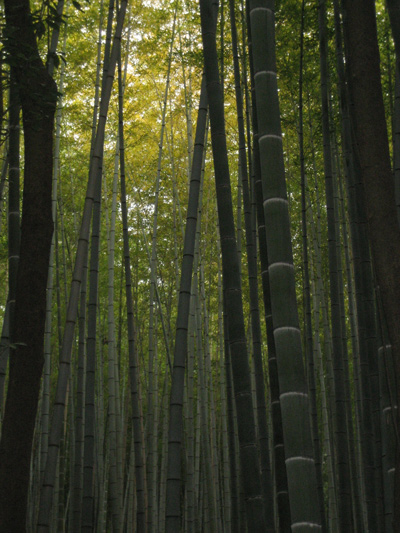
<point x="189" y="384"/>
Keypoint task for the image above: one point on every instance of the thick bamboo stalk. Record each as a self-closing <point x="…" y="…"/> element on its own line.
<point x="293" y="390"/>
<point x="231" y="279"/>
<point x="261" y="413"/>
<point x="281" y="483"/>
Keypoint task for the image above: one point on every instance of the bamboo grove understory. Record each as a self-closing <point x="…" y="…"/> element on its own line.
<point x="200" y="266"/>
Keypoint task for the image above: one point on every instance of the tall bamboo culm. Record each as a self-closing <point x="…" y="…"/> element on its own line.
<point x="293" y="389"/>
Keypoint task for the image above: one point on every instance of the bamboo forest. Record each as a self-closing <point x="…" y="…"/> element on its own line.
<point x="199" y="266"/>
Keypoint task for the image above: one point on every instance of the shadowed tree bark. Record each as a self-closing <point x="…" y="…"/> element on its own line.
<point x="249" y="462"/>
<point x="38" y="95"/>
<point x="373" y="150"/>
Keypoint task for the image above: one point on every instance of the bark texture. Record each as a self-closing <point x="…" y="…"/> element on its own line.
<point x="368" y="117"/>
<point x="38" y="95"/>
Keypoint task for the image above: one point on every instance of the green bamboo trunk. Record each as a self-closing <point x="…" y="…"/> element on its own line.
<point x="251" y="482"/>
<point x="293" y="389"/>
<point x="180" y="355"/>
<point x="261" y="412"/>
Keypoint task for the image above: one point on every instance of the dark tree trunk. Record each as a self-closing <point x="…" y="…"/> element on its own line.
<point x="369" y="123"/>
<point x="38" y="95"/>
<point x="249" y="462"/>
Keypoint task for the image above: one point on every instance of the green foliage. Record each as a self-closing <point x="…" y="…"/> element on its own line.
<point x="145" y="45"/>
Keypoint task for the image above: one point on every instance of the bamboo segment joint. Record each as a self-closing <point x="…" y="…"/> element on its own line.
<point x="293" y="393"/>
<point x="270" y="72"/>
<point x="287" y="328"/>
<point x="270" y="135"/>
<point x="261" y="9"/>
<point x="305" y="524"/>
<point x="279" y="264"/>
<point x="276" y="199"/>
<point x="299" y="458"/>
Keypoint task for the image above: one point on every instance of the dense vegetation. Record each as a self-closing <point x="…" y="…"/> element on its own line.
<point x="199" y="266"/>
